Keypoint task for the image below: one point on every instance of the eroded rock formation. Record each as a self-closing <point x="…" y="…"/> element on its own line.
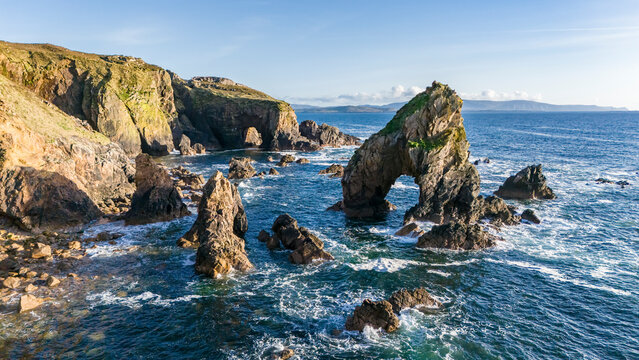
<point x="305" y="245"/>
<point x="529" y="183"/>
<point x="335" y="170"/>
<point x="456" y="236"/>
<point x="218" y="230"/>
<point x="326" y="135"/>
<point x="155" y="198"/>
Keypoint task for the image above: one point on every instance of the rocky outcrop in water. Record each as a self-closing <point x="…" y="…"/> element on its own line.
<point x="411" y="229"/>
<point x="529" y="183"/>
<point x="155" y="198"/>
<point x="54" y="171"/>
<point x="124" y="98"/>
<point x="404" y="299"/>
<point x="426" y="139"/>
<point x="306" y="247"/>
<point x="218" y="230"/>
<point x="335" y="170"/>
<point x="286" y="159"/>
<point x="241" y="168"/>
<point x="326" y="135"/>
<point x="456" y="236"/>
<point x="529" y="215"/>
<point x="185" y="146"/>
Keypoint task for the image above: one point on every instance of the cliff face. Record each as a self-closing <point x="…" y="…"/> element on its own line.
<point x="124" y="98"/>
<point x="54" y="172"/>
<point x="426" y="140"/>
<point x="218" y="113"/>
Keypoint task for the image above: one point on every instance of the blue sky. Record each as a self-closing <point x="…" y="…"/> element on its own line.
<point x="355" y="52"/>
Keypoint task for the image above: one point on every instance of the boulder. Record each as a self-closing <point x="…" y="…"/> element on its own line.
<point x="456" y="236"/>
<point x="199" y="148"/>
<point x="185" y="146"/>
<point x="426" y="139"/>
<point x="272" y="171"/>
<point x="286" y="159"/>
<point x="326" y="135"/>
<point x="376" y="314"/>
<point x="52" y="281"/>
<point x="529" y="215"/>
<point x="219" y="228"/>
<point x="336" y="171"/>
<point x="12" y="282"/>
<point x="529" y="183"/>
<point x="156" y="198"/>
<point x="411" y="229"/>
<point x="303" y="161"/>
<point x="252" y="137"/>
<point x="41" y="251"/>
<point x="404" y="299"/>
<point x="284" y="354"/>
<point x="241" y="168"/>
<point x="29" y="302"/>
<point x="306" y="247"/>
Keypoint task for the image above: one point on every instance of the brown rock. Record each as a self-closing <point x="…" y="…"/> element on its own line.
<point x="220" y="224"/>
<point x="529" y="215"/>
<point x="241" y="168"/>
<point x="412" y="230"/>
<point x="286" y="159"/>
<point x="326" y="135"/>
<point x="252" y="137"/>
<point x="52" y="281"/>
<point x="303" y="161"/>
<point x="529" y="183"/>
<point x="336" y="171"/>
<point x="12" y="282"/>
<point x="404" y="299"/>
<point x="185" y="146"/>
<point x="41" y="251"/>
<point x="156" y="198"/>
<point x="273" y="172"/>
<point x="30" y="288"/>
<point x="306" y="246"/>
<point x="199" y="148"/>
<point x="376" y="314"/>
<point x="456" y="236"/>
<point x="75" y="245"/>
<point x="29" y="302"/>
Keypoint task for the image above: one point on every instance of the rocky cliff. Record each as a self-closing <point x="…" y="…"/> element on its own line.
<point x="124" y="98"/>
<point x="54" y="172"/>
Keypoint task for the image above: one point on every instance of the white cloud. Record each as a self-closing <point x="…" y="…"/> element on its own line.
<point x="500" y="96"/>
<point x="396" y="93"/>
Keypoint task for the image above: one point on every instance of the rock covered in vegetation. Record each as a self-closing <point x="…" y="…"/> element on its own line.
<point x="218" y="230"/>
<point x="124" y="98"/>
<point x="305" y="245"/>
<point x="326" y="135"/>
<point x="426" y="139"/>
<point x="241" y="168"/>
<point x="54" y="172"/>
<point x="335" y="170"/>
<point x="155" y="198"/>
<point x="529" y="183"/>
<point x="456" y="236"/>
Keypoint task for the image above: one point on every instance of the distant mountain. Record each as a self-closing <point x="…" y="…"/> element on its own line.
<point x="469" y="105"/>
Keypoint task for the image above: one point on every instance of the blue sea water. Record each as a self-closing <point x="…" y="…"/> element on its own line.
<point x="565" y="289"/>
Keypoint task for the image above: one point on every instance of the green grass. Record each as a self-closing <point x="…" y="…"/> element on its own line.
<point x="414" y="105"/>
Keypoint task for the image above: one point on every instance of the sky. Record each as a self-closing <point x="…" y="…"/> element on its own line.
<point x="362" y="52"/>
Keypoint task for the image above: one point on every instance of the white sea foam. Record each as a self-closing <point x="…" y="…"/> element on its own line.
<point x="136" y="301"/>
<point x="401" y="186"/>
<point x="384" y="265"/>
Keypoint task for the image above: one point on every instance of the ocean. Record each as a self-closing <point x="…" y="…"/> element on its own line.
<point x="567" y="288"/>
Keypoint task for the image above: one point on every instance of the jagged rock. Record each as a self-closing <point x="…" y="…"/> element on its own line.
<point x="156" y="198"/>
<point x="493" y="208"/>
<point x="252" y="137"/>
<point x="305" y="245"/>
<point x="185" y="146"/>
<point x="271" y="241"/>
<point x="404" y="299"/>
<point x="29" y="302"/>
<point x="338" y="206"/>
<point x="376" y="314"/>
<point x="74" y="245"/>
<point x="241" y="168"/>
<point x="426" y="139"/>
<point x="412" y="230"/>
<point x="199" y="148"/>
<point x="272" y="171"/>
<point x="283" y="354"/>
<point x="326" y="135"/>
<point x="303" y="161"/>
<point x="286" y="159"/>
<point x="456" y="236"/>
<point x="529" y="215"/>
<point x="124" y="98"/>
<point x="41" y="251"/>
<point x="529" y="183"/>
<point x="219" y="228"/>
<point x="261" y="174"/>
<point x="30" y="288"/>
<point x="336" y="171"/>
<point x="52" y="281"/>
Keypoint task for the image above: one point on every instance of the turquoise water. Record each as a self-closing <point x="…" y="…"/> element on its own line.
<point x="565" y="289"/>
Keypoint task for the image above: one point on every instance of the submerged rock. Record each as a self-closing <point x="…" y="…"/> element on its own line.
<point x="376" y="314"/>
<point x="241" y="168"/>
<point x="219" y="228"/>
<point x="529" y="183"/>
<point x="326" y="135"/>
<point x="529" y="215"/>
<point x="426" y="140"/>
<point x="29" y="302"/>
<point x="456" y="236"/>
<point x="156" y="198"/>
<point x="305" y="245"/>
